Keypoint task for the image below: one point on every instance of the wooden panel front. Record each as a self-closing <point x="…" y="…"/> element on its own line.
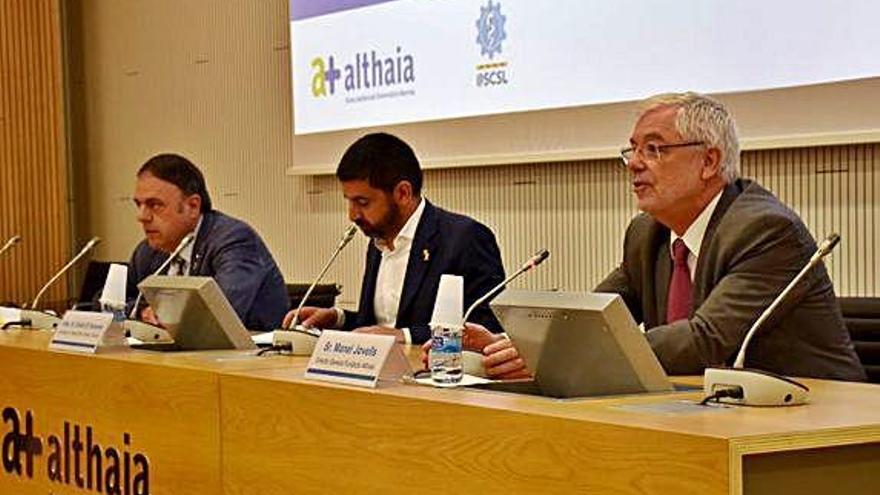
<point x="291" y="436"/>
<point x="162" y="420"/>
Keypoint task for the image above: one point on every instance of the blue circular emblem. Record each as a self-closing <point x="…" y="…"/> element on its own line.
<point x="490" y="29"/>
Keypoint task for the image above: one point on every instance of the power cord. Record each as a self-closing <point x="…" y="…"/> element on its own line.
<point x="732" y="392"/>
<point x="284" y="348"/>
<point x="20" y="323"/>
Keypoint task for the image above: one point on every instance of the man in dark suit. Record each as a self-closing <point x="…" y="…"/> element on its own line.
<point x="414" y="243"/>
<point x="172" y="201"/>
<point x="710" y="253"/>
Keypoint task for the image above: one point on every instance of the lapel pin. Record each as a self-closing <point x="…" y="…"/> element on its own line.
<point x="426" y="255"/>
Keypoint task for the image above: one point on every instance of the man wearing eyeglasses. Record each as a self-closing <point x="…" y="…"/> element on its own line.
<point x="708" y="254"/>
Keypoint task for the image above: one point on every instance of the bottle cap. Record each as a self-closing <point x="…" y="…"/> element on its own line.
<point x="449" y="305"/>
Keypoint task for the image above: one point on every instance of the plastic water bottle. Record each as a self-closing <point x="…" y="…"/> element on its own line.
<point x="118" y="310"/>
<point x="445" y="355"/>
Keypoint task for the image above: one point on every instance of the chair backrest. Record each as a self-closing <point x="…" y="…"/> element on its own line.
<point x="324" y="295"/>
<point x="862" y="318"/>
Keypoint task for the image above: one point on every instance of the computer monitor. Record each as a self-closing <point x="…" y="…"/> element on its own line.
<point x="579" y="344"/>
<point x="195" y="312"/>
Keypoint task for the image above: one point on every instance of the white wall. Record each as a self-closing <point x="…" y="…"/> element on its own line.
<point x="209" y="79"/>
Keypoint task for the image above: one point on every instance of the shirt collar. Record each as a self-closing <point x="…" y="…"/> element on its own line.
<point x="693" y="236"/>
<point x="408" y="232"/>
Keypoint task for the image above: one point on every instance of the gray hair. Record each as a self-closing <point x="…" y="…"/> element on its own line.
<point x="701" y="118"/>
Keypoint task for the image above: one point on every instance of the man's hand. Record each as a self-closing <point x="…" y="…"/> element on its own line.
<point x="474" y="338"/>
<point x="502" y="361"/>
<point x="311" y="317"/>
<point x="149" y="316"/>
<point x="377" y="330"/>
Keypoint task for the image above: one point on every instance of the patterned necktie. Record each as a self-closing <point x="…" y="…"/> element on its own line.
<point x="178" y="264"/>
<point x="679" y="304"/>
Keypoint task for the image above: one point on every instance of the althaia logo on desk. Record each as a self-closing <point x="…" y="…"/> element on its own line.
<point x="73" y="458"/>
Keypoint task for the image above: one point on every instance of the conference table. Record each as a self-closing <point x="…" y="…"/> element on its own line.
<point x="232" y="422"/>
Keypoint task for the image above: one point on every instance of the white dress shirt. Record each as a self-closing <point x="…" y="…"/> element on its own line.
<point x="693" y="236"/>
<point x="392" y="272"/>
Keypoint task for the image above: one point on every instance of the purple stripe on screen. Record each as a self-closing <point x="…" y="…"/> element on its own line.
<point x="303" y="9"/>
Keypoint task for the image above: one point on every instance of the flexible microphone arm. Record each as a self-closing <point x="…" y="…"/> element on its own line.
<point x="187" y="239"/>
<point x="88" y="247"/>
<point x="347" y="236"/>
<point x="824" y="249"/>
<point x="532" y="262"/>
<point x="11" y="242"/>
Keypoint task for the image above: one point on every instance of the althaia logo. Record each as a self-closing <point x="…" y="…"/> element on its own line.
<point x="367" y="71"/>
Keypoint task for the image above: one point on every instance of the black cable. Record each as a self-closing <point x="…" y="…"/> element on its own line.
<point x="732" y="392"/>
<point x="20" y="323"/>
<point x="277" y="348"/>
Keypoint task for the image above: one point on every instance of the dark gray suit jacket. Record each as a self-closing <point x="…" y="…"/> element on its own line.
<point x="455" y="245"/>
<point x="753" y="247"/>
<point x="230" y="251"/>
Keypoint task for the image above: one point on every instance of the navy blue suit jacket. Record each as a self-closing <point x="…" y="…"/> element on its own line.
<point x="444" y="243"/>
<point x="230" y="251"/>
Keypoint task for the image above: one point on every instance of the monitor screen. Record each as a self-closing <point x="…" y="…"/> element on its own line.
<point x="195" y="313"/>
<point x="580" y="345"/>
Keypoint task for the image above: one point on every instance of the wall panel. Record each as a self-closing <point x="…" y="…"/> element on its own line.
<point x="217" y="90"/>
<point x="33" y="163"/>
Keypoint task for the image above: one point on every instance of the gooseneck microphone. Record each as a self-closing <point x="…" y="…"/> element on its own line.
<point x="347" y="236"/>
<point x="824" y="249"/>
<point x="9" y="243"/>
<point x="186" y="241"/>
<point x="88" y="247"/>
<point x="739" y="385"/>
<point x="532" y="262"/>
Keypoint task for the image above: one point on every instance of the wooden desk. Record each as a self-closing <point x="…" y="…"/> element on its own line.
<point x="227" y="422"/>
<point x="313" y="438"/>
<point x="166" y="403"/>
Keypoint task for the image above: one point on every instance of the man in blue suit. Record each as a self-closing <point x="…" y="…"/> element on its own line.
<point x="414" y="243"/>
<point x="172" y="201"/>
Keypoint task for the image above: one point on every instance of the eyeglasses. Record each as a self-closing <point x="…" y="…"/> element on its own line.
<point x="652" y="152"/>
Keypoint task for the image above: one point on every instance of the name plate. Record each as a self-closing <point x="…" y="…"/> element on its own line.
<point x="85" y="331"/>
<point x="356" y="359"/>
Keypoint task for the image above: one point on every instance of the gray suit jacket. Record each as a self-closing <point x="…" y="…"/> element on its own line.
<point x="753" y="247"/>
<point x="230" y="251"/>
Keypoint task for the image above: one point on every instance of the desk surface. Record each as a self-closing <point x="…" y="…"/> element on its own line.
<point x="228" y="421"/>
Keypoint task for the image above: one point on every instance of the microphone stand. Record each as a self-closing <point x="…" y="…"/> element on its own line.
<point x="752" y="387"/>
<point x="532" y="262"/>
<point x="346" y="238"/>
<point x="187" y="239"/>
<point x="9" y="243"/>
<point x="300" y="339"/>
<point x="142" y="330"/>
<point x="45" y="321"/>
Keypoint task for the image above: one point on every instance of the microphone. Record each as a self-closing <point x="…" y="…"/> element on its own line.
<point x="347" y="236"/>
<point x="187" y="239"/>
<point x="9" y="243"/>
<point x="302" y="341"/>
<point x="532" y="262"/>
<point x="88" y="247"/>
<point x="738" y="385"/>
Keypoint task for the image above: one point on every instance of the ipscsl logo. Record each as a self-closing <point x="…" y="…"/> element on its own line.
<point x="492" y="74"/>
<point x="73" y="460"/>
